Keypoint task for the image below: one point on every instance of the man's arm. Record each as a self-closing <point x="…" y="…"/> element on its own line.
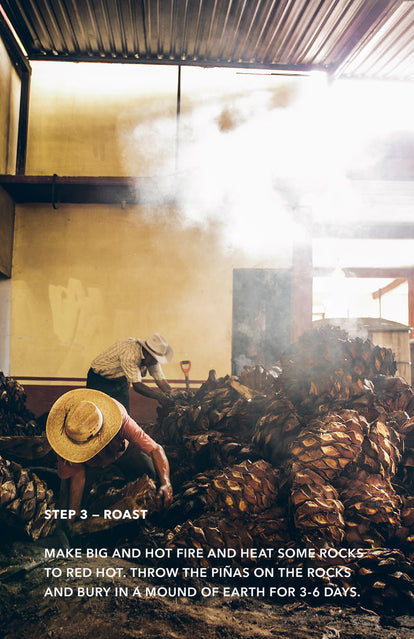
<point x="144" y="389"/>
<point x="163" y="470"/>
<point x="159" y="378"/>
<point x="163" y="385"/>
<point x="77" y="485"/>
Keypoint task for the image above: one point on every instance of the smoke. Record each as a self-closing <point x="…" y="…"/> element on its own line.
<point x="235" y="159"/>
<point x="372" y="131"/>
<point x="248" y="157"/>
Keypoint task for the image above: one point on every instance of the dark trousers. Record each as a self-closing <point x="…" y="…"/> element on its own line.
<point x="132" y="464"/>
<point x="117" y="388"/>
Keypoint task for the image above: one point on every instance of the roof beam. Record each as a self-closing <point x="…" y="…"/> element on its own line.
<point x="380" y="231"/>
<point x="376" y="295"/>
<point x="24" y="71"/>
<point x="392" y="272"/>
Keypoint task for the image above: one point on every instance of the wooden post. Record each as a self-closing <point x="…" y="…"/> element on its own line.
<point x="302" y="279"/>
<point x="23" y="123"/>
<point x="24" y="70"/>
<point x="410" y="280"/>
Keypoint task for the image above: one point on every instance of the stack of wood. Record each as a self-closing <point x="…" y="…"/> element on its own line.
<point x="15" y="418"/>
<point x="266" y="529"/>
<point x="276" y="429"/>
<point x="248" y="487"/>
<point x="224" y="404"/>
<point x="139" y="498"/>
<point x="335" y="428"/>
<point x="24" y="498"/>
<point x="213" y="427"/>
<point x="405" y="532"/>
<point x="260" y="379"/>
<point x="326" y="369"/>
<point x="405" y="472"/>
<point x="318" y="454"/>
<point x="385" y="578"/>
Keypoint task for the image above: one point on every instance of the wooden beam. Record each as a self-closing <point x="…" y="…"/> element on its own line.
<point x="302" y="290"/>
<point x="24" y="71"/>
<point x="411" y="304"/>
<point x="56" y="190"/>
<point x="23" y="123"/>
<point x="389" y="287"/>
<point x="392" y="272"/>
<point x="16" y="55"/>
<point x="391" y="231"/>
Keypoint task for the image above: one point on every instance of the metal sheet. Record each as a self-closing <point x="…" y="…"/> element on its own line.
<point x="353" y="38"/>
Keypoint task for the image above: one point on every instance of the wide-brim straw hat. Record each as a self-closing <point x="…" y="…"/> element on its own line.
<point x="75" y="441"/>
<point x="159" y="348"/>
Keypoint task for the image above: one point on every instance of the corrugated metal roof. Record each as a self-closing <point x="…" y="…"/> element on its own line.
<point x="366" y="38"/>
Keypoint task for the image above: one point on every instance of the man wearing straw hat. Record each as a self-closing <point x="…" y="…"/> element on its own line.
<point x="126" y="362"/>
<point x="89" y="430"/>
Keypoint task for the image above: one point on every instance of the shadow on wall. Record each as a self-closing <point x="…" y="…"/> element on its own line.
<point x="77" y="320"/>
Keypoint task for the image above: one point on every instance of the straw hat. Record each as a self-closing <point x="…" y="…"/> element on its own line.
<point x="159" y="348"/>
<point x="81" y="423"/>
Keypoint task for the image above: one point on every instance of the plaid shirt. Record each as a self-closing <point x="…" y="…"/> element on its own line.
<point x="123" y="359"/>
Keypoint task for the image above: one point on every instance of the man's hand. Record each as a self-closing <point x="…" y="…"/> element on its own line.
<point x="174" y="396"/>
<point x="165" y="495"/>
<point x="165" y="492"/>
<point x="165" y="399"/>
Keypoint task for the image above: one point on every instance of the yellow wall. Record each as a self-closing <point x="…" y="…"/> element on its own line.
<point x="6" y="233"/>
<point x="9" y="112"/>
<point x="85" y="276"/>
<point x="101" y="119"/>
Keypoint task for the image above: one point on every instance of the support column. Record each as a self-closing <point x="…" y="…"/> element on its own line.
<point x="23" y="123"/>
<point x="177" y="136"/>
<point x="410" y="280"/>
<point x="302" y="276"/>
<point x="22" y="66"/>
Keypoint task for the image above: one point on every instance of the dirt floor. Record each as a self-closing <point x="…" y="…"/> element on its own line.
<point x="28" y="610"/>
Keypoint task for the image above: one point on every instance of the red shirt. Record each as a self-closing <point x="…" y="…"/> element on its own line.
<point x="130" y="431"/>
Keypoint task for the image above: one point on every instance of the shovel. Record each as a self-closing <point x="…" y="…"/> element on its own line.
<point x="185" y="367"/>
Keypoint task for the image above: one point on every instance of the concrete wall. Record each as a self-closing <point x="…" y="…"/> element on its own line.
<point x="85" y="276"/>
<point x="6" y="233"/>
<point x="101" y="119"/>
<point x="9" y="112"/>
<point x="6" y="248"/>
<point x="5" y="304"/>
